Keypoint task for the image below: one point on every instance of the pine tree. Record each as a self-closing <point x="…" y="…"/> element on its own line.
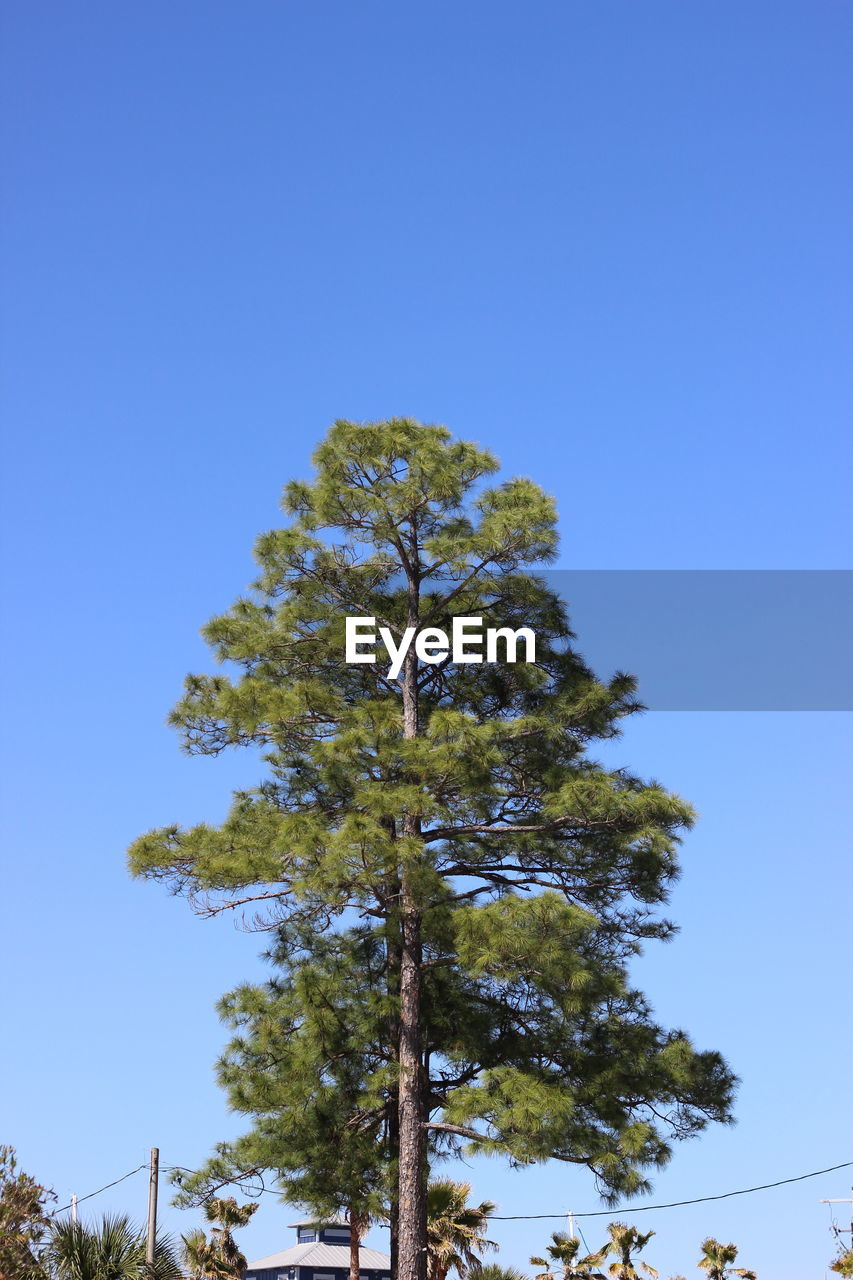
<point x="306" y="1047"/>
<point x="453" y="810"/>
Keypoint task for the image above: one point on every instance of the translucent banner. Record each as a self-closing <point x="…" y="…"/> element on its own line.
<point x="718" y="639"/>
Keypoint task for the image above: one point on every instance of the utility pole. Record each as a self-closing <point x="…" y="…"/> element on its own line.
<point x="152" y="1205"/>
<point x="74" y="1210"/>
<point x="844" y="1230"/>
<point x="570" y="1217"/>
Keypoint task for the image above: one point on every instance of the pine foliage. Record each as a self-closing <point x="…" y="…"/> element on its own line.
<point x="457" y="812"/>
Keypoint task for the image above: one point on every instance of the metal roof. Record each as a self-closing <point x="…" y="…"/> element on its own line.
<point x="320" y="1222"/>
<point x="323" y="1255"/>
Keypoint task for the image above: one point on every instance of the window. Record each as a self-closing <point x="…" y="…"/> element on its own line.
<point x="306" y="1235"/>
<point x="337" y="1235"/>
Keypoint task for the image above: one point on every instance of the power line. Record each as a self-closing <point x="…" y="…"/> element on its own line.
<point x="527" y="1217"/>
<point x="612" y="1213"/>
<point x="674" y="1204"/>
<point x="100" y="1189"/>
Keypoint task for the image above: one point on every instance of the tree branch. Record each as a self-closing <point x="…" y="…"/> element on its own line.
<point x="441" y="1126"/>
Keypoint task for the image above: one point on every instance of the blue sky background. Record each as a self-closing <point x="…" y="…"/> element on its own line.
<point x="611" y="242"/>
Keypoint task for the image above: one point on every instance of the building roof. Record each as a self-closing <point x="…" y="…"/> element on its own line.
<point x="320" y="1222"/>
<point x="323" y="1255"/>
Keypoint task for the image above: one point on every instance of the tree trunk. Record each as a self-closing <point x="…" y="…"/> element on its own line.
<point x="394" y="1217"/>
<point x="411" y="1248"/>
<point x="390" y="896"/>
<point x="393" y="1129"/>
<point x="411" y="1262"/>
<point x="357" y="1225"/>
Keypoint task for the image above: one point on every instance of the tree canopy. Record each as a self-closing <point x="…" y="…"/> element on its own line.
<point x="112" y="1249"/>
<point x="24" y="1220"/>
<point x="455" y="883"/>
<point x="565" y="1252"/>
<point x="717" y="1261"/>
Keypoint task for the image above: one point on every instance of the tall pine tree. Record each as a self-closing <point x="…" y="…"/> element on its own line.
<point x="451" y="812"/>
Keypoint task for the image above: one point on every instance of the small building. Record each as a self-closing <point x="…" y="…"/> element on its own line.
<point x="321" y="1252"/>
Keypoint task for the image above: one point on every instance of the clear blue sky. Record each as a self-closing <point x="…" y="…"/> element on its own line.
<point x="611" y="242"/>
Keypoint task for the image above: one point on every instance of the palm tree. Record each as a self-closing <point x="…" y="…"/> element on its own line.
<point x="218" y="1258"/>
<point x="625" y="1241"/>
<point x="229" y="1215"/>
<point x="114" y="1250"/>
<point x="564" y="1250"/>
<point x="454" y="1229"/>
<point x="201" y="1258"/>
<point x="716" y="1258"/>
<point x="71" y="1251"/>
<point x="494" y="1271"/>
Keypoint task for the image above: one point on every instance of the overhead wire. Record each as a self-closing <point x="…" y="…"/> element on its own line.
<point x="114" y="1183"/>
<point x="519" y="1217"/>
<point x="672" y="1204"/>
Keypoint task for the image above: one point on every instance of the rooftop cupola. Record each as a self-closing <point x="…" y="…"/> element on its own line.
<point x="322" y="1230"/>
